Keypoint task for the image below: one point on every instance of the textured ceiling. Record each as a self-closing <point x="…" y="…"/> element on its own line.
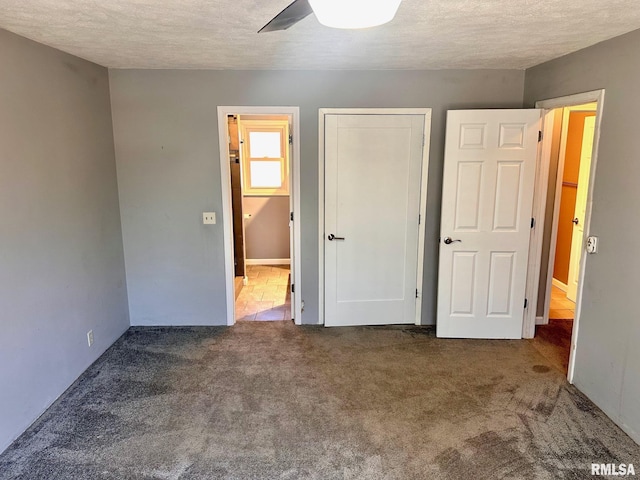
<point x="221" y="34"/>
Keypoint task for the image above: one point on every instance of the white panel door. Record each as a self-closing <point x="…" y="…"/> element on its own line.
<point x="577" y="243"/>
<point x="487" y="197"/>
<point x="372" y="201"/>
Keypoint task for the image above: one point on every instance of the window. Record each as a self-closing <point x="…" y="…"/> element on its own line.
<point x="265" y="162"/>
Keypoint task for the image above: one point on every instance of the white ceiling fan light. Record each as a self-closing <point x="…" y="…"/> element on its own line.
<point x="354" y="13"/>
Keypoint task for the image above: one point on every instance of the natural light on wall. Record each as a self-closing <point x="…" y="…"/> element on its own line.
<point x="354" y="13"/>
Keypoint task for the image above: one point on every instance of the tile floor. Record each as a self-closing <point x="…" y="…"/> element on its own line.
<point x="561" y="307"/>
<point x="267" y="296"/>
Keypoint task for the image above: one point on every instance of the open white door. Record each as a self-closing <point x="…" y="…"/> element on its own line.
<point x="371" y="219"/>
<point x="488" y="185"/>
<point x="577" y="238"/>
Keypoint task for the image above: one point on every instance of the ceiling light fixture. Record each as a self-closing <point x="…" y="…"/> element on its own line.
<point x="354" y="13"/>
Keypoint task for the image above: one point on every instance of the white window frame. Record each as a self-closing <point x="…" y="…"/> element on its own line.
<point x="276" y="126"/>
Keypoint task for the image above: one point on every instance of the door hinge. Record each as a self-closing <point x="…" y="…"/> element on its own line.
<point x="540" y="135"/>
<point x="291" y="216"/>
<point x="417" y="294"/>
<point x="424" y="139"/>
<point x="526" y="303"/>
<point x="533" y="222"/>
<point x="293" y="288"/>
<point x="290" y="139"/>
<point x="419" y="219"/>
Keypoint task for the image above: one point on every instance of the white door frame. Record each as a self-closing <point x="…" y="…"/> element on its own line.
<point x="423" y="192"/>
<point x="542" y="184"/>
<point x="227" y="216"/>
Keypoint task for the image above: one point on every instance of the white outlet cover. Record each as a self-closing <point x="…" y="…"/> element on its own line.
<point x="90" y="337"/>
<point x="209" y="218"/>
<point x="592" y="244"/>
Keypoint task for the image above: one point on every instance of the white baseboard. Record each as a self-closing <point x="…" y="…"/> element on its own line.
<point x="268" y="261"/>
<point x="559" y="284"/>
<point x="540" y="320"/>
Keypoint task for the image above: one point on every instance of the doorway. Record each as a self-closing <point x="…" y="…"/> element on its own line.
<point x="567" y="230"/>
<point x="562" y="208"/>
<point x="260" y="182"/>
<point x="259" y="158"/>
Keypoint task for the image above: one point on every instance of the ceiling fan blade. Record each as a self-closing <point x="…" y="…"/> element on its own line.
<point x="291" y="15"/>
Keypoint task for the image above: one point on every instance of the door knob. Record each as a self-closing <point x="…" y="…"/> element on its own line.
<point x="333" y="237"/>
<point x="449" y="240"/>
<point x="576" y="221"/>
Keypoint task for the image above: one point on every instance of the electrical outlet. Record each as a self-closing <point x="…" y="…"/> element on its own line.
<point x="90" y="337"/>
<point x="209" y="218"/>
<point x="592" y="244"/>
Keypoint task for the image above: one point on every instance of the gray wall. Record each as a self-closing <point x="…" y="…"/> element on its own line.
<point x="608" y="357"/>
<point x="267" y="231"/>
<point x="166" y="142"/>
<point x="62" y="270"/>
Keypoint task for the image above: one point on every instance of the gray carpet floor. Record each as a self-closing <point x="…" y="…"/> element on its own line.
<point x="276" y="401"/>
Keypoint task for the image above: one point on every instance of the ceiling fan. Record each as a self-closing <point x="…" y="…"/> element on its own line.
<point x="335" y="13"/>
<point x="288" y="17"/>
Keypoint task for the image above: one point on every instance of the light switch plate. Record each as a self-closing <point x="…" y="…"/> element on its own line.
<point x="592" y="244"/>
<point x="209" y="218"/>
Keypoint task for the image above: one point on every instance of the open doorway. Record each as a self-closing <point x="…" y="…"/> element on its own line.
<point x="562" y="213"/>
<point x="569" y="195"/>
<point x="260" y="184"/>
<point x="259" y="160"/>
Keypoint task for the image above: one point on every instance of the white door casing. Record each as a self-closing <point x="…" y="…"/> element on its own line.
<point x="577" y="238"/>
<point x="488" y="185"/>
<point x="373" y="171"/>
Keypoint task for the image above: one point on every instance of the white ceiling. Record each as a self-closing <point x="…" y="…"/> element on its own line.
<point x="221" y="34"/>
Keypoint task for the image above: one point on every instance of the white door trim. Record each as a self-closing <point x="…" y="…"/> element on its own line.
<point x="423" y="192"/>
<point x="539" y="209"/>
<point x="227" y="217"/>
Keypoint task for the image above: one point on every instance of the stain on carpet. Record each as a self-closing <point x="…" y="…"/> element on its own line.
<point x="541" y="369"/>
